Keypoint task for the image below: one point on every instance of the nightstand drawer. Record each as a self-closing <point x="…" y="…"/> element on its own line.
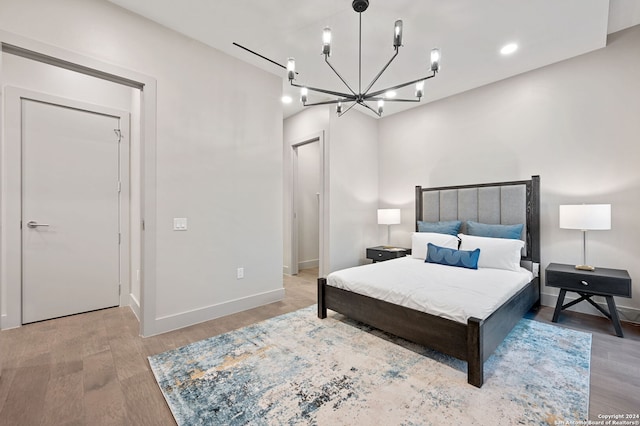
<point x="380" y="253"/>
<point x="601" y="281"/>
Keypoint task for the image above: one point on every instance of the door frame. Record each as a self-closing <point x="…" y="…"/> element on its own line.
<point x="13" y="205"/>
<point x="323" y="205"/>
<point x="146" y="168"/>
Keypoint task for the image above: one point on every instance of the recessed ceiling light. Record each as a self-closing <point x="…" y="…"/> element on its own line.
<point x="509" y="48"/>
<point x="286" y="99"/>
<point x="390" y="94"/>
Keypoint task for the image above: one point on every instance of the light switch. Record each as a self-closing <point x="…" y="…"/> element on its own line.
<point x="179" y="223"/>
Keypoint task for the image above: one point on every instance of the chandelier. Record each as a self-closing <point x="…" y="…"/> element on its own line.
<point x="346" y="100"/>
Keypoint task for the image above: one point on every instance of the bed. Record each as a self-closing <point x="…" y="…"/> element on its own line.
<point x="474" y="340"/>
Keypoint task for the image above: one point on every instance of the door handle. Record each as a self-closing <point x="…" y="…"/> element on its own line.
<point x="33" y="224"/>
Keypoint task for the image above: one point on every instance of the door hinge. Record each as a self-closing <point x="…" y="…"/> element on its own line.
<point x="119" y="289"/>
<point x="119" y="187"/>
<point x="119" y="238"/>
<point x="142" y="224"/>
<point x="119" y="134"/>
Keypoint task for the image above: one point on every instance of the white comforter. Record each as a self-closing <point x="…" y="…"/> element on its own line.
<point x="446" y="291"/>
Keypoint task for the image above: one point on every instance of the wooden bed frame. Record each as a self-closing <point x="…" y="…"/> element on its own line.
<point x="473" y="342"/>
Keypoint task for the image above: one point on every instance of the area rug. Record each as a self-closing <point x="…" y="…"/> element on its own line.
<point x="297" y="369"/>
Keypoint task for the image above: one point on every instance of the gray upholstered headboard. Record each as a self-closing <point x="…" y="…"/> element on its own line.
<point x="505" y="203"/>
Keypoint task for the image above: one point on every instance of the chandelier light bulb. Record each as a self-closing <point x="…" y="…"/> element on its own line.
<point x="435" y="59"/>
<point x="326" y="41"/>
<point x="339" y="108"/>
<point x="291" y="68"/>
<point x="419" y="89"/>
<point x="380" y="106"/>
<point x="397" y="34"/>
<point x="303" y="94"/>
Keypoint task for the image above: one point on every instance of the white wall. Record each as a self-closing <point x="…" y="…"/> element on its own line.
<point x="575" y="123"/>
<point x="219" y="155"/>
<point x="354" y="188"/>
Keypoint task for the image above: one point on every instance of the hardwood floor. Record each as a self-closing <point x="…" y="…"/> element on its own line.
<point x="92" y="369"/>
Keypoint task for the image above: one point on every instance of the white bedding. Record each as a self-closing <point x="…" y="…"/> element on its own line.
<point x="446" y="291"/>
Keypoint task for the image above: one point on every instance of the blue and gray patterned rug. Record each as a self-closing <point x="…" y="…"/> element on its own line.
<point x="296" y="369"/>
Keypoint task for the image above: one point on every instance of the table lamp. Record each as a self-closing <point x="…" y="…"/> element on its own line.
<point x="388" y="217"/>
<point x="586" y="217"/>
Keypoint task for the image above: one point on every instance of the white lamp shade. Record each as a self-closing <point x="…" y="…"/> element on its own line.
<point x="388" y="216"/>
<point x="586" y="217"/>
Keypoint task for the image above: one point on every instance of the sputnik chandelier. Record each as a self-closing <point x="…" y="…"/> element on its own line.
<point x="352" y="98"/>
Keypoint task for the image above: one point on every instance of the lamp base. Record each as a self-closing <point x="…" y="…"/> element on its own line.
<point x="585" y="268"/>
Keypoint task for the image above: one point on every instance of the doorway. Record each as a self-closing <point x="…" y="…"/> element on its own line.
<point x="307" y="204"/>
<point x="142" y="171"/>
<point x="307" y="210"/>
<point x="75" y="162"/>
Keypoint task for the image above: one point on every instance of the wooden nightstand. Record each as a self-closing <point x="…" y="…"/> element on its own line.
<point x="380" y="253"/>
<point x="601" y="282"/>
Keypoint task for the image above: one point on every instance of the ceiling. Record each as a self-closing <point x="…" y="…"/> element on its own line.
<point x="469" y="34"/>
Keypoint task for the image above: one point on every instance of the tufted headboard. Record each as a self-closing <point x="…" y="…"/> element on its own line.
<point x="505" y="203"/>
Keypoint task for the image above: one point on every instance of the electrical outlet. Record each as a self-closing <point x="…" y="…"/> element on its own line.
<point x="240" y="273"/>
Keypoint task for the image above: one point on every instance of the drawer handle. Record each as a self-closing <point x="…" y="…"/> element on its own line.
<point x="379" y="254"/>
<point x="584" y="283"/>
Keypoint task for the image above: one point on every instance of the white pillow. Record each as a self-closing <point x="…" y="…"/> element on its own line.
<point x="419" y="242"/>
<point x="497" y="253"/>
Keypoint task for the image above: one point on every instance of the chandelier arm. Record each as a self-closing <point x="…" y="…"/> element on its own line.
<point x="399" y="86"/>
<point x="347" y="110"/>
<point x="372" y="110"/>
<point x="381" y="71"/>
<point x="328" y="92"/>
<point x="399" y="100"/>
<point x="382" y="98"/>
<point x="326" y="59"/>
<point x="328" y="102"/>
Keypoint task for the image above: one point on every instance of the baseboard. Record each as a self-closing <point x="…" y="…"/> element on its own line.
<point x="626" y="313"/>
<point x="196" y="316"/>
<point x="7" y="324"/>
<point x="308" y="264"/>
<point x="135" y="306"/>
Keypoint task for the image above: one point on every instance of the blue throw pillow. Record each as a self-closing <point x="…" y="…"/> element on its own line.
<point x="512" y="232"/>
<point x="452" y="257"/>
<point x="451" y="227"/>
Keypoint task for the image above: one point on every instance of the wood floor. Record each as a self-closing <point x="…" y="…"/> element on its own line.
<point x="92" y="369"/>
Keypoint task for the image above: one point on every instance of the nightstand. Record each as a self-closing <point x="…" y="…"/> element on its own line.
<point x="601" y="282"/>
<point x="381" y="253"/>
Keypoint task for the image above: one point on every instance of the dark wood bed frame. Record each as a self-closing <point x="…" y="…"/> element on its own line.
<point x="473" y="342"/>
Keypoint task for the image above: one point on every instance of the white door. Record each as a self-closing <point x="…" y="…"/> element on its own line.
<point x="70" y="210"/>
<point x="308" y="203"/>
